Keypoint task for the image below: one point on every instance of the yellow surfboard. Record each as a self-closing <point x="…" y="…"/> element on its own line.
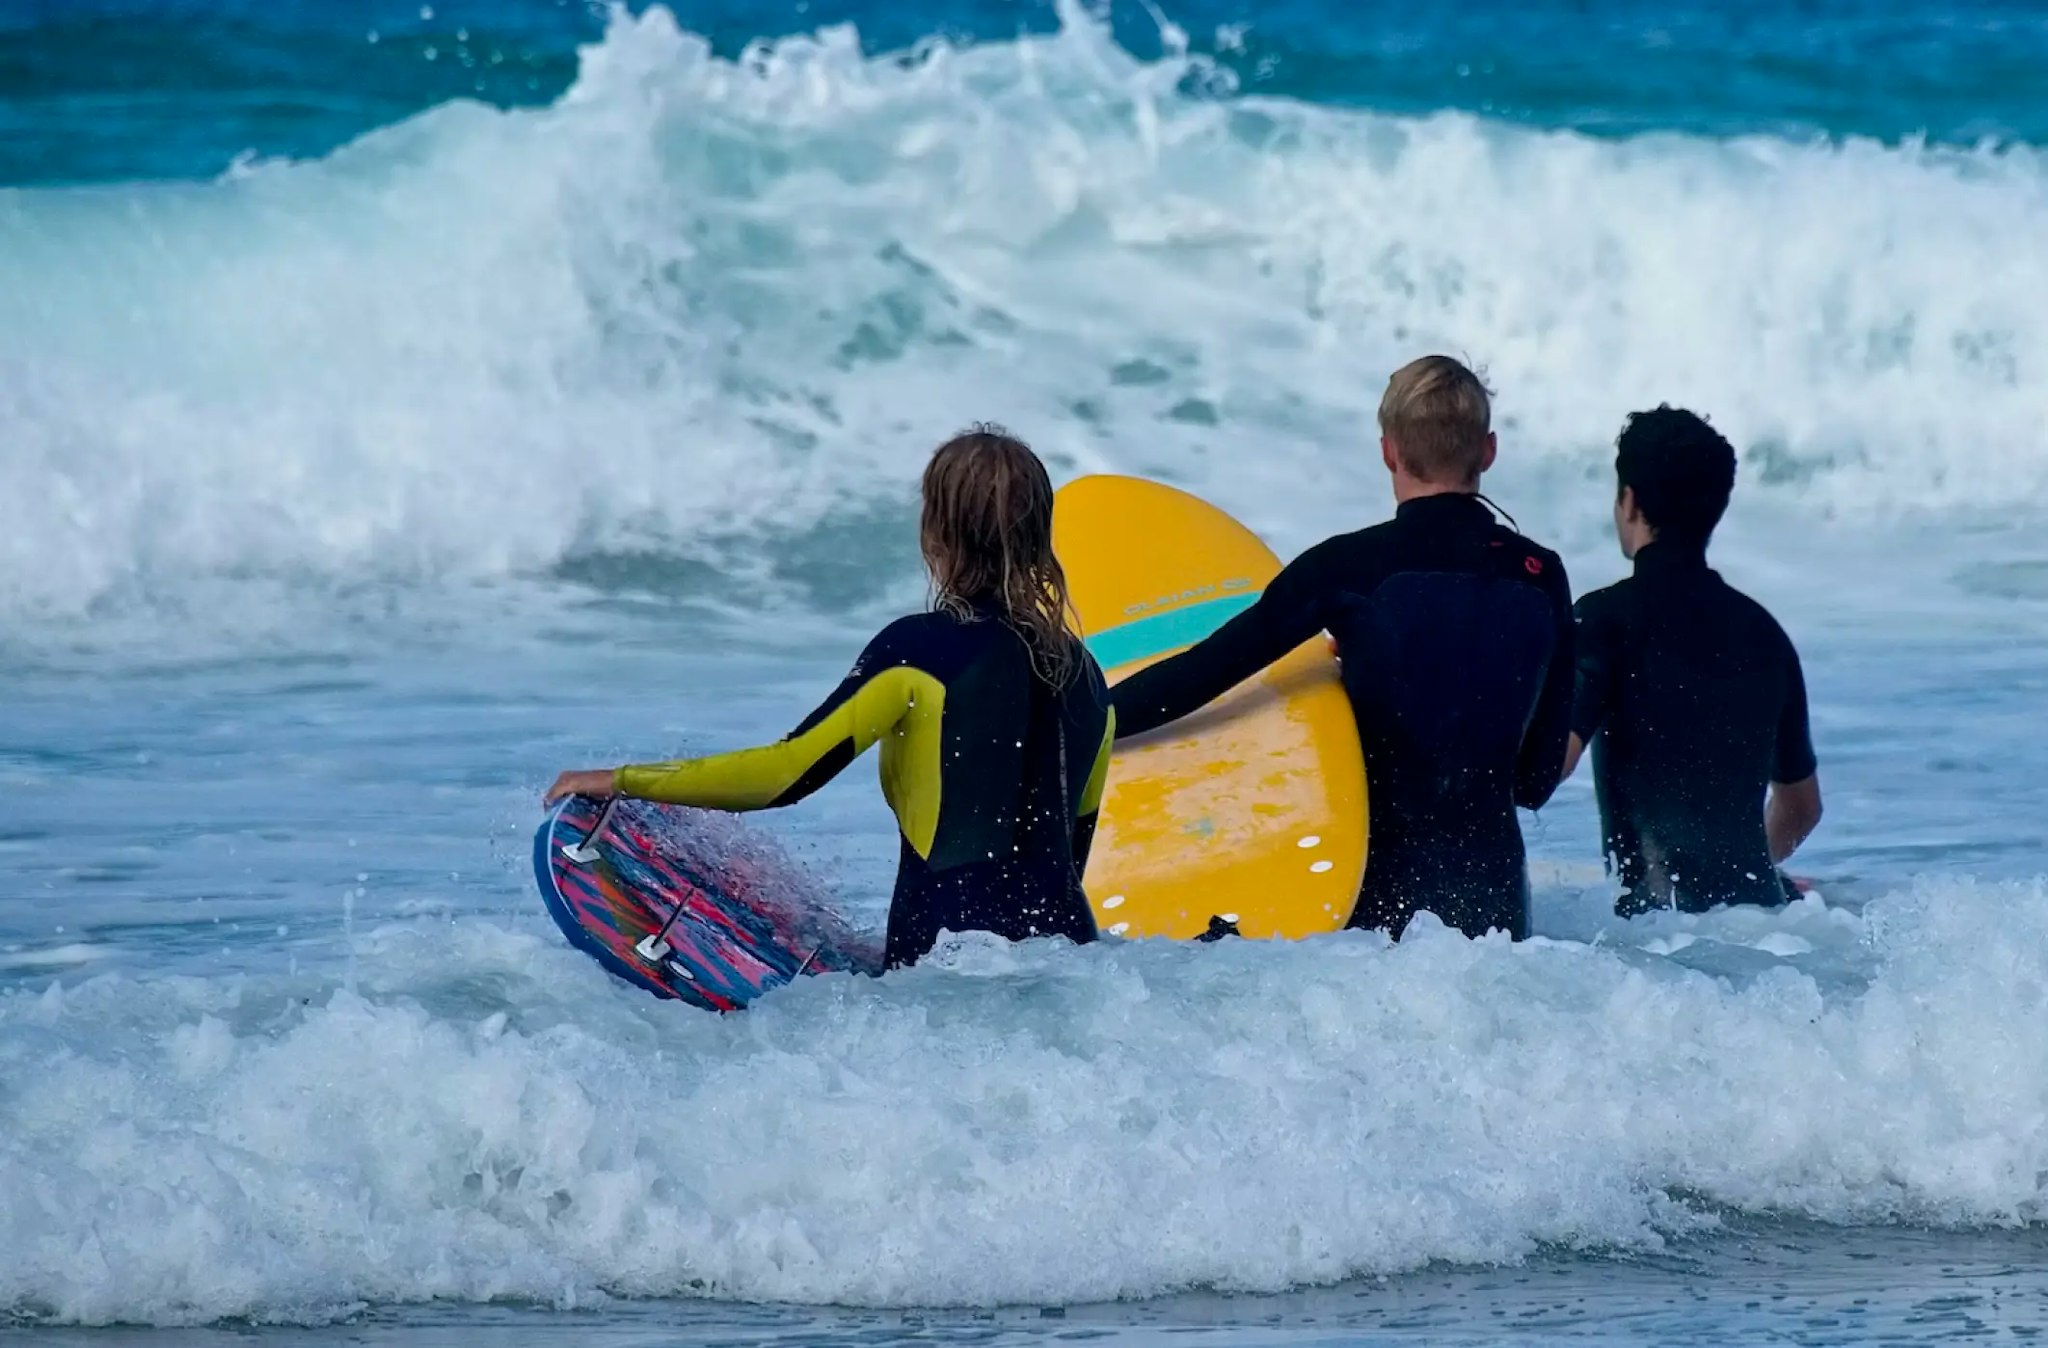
<point x="1250" y="812"/>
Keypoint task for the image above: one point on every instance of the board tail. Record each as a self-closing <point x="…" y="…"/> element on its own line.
<point x="673" y="903"/>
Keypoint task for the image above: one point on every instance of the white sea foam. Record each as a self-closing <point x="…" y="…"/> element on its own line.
<point x="485" y="1115"/>
<point x="719" y="309"/>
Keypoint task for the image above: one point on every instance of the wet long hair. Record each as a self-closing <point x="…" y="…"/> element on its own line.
<point x="987" y="538"/>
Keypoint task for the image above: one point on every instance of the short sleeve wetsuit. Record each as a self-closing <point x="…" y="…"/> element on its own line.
<point x="994" y="777"/>
<point x="1455" y="635"/>
<point x="1692" y="698"/>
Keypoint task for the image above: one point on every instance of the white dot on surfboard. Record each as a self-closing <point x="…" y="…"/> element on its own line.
<point x="1119" y="928"/>
<point x="1113" y="901"/>
<point x="1322" y="866"/>
<point x="1310" y="841"/>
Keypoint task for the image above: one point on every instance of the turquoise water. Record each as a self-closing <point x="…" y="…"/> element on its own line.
<point x="122" y="89"/>
<point x="386" y="425"/>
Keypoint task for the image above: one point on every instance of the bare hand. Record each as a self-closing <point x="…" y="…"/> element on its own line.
<point x="594" y="783"/>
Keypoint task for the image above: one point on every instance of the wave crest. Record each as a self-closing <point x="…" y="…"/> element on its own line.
<point x="702" y="304"/>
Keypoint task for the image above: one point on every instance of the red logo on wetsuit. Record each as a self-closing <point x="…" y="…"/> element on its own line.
<point x="1533" y="565"/>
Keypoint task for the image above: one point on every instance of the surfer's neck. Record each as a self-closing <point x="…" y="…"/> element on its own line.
<point x="1408" y="487"/>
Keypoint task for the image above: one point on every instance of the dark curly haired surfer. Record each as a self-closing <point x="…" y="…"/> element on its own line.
<point x="1689" y="692"/>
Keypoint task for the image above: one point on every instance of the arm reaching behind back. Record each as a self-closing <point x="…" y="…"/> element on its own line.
<point x="1545" y="743"/>
<point x="1289" y="612"/>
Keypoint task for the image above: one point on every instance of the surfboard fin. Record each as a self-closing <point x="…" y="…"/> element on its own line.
<point x="585" y="852"/>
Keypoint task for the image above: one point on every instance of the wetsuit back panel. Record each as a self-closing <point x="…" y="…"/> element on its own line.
<point x="1693" y="700"/>
<point x="1252" y="815"/>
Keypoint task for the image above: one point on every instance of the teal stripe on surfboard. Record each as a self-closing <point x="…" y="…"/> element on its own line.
<point x="1162" y="632"/>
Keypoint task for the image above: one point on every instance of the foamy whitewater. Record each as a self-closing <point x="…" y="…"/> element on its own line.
<point x="1006" y="1126"/>
<point x="346" y="498"/>
<point x="698" y="304"/>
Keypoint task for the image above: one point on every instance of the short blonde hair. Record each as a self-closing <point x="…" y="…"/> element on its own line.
<point x="1437" y="413"/>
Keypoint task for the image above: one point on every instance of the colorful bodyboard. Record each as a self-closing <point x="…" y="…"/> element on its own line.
<point x="1250" y="815"/>
<point x="683" y="904"/>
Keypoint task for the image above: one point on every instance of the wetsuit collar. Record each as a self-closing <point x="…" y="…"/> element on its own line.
<point x="1664" y="556"/>
<point x="1444" y="505"/>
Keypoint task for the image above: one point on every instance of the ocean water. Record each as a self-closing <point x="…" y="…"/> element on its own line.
<point x="400" y="403"/>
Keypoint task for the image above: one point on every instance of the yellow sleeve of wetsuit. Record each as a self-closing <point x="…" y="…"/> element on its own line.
<point x="1098" y="776"/>
<point x="859" y="712"/>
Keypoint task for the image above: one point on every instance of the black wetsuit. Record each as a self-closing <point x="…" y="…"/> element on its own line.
<point x="994" y="776"/>
<point x="1696" y="698"/>
<point x="1455" y="635"/>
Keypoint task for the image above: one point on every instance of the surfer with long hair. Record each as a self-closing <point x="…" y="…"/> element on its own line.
<point x="994" y="721"/>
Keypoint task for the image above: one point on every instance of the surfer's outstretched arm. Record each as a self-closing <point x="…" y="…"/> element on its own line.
<point x="1287" y="614"/>
<point x="845" y="725"/>
<point x="869" y="703"/>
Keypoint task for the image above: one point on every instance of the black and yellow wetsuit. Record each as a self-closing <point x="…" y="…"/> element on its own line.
<point x="994" y="775"/>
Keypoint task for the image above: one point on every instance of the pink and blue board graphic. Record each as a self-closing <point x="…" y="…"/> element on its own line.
<point x="649" y="873"/>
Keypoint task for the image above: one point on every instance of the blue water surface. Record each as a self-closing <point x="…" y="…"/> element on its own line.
<point x="110" y="89"/>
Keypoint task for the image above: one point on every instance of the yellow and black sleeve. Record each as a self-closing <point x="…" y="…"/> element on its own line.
<point x="861" y="710"/>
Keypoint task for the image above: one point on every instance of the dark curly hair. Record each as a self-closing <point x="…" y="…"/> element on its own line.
<point x="1681" y="469"/>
